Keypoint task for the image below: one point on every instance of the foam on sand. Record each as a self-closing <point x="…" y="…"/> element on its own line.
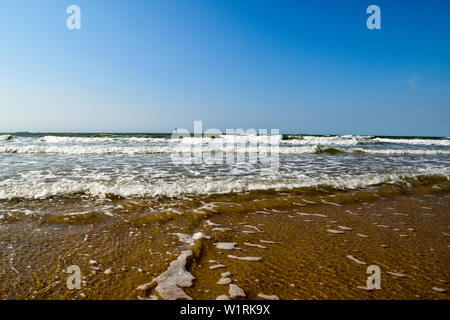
<point x="266" y="297"/>
<point x="221" y="229"/>
<point x="335" y="231"/>
<point x="189" y="239"/>
<point x="395" y="274"/>
<point x="401" y="214"/>
<point x="217" y="266"/>
<point x="298" y="204"/>
<point x="356" y="260"/>
<point x="244" y="258"/>
<point x="252" y="227"/>
<point x="332" y="203"/>
<point x="224" y="281"/>
<point x="254" y="245"/>
<point x="236" y="292"/>
<point x="170" y="282"/>
<point x="209" y="223"/>
<point x="267" y="241"/>
<point x="362" y="235"/>
<point x="311" y="214"/>
<point x="226" y="246"/>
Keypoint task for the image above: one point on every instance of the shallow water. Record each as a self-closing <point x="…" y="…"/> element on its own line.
<point x="306" y="231"/>
<point x="39" y="166"/>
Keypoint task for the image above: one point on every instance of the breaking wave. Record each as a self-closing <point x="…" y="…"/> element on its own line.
<point x="349" y="140"/>
<point x="203" y="186"/>
<point x="108" y="139"/>
<point x="6" y="137"/>
<point x="217" y="148"/>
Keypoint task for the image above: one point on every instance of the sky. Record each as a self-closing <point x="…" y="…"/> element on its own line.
<point x="297" y="66"/>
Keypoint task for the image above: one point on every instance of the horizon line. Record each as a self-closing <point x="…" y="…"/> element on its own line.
<point x="223" y="133"/>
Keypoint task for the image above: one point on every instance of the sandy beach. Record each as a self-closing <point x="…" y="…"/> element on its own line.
<point x="294" y="244"/>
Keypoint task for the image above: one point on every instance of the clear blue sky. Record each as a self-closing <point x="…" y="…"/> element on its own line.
<point x="153" y="65"/>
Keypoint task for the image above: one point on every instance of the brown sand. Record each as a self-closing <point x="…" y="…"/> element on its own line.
<point x="406" y="232"/>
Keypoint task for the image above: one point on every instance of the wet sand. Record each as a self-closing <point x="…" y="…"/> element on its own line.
<point x="287" y="244"/>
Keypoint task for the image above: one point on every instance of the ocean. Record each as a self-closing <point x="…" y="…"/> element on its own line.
<point x="36" y="166"/>
<point x="127" y="204"/>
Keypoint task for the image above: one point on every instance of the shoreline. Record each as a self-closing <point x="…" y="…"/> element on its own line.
<point x="309" y="246"/>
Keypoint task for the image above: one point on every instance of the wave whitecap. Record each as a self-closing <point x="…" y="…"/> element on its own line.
<point x="349" y="140"/>
<point x="201" y="186"/>
<point x="217" y="148"/>
<point x="72" y="140"/>
<point x="6" y="137"/>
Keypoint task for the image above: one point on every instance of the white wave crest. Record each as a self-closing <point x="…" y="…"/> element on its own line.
<point x="171" y="148"/>
<point x="197" y="186"/>
<point x="62" y="140"/>
<point x="396" y="152"/>
<point x="167" y="149"/>
<point x="346" y="140"/>
<point x="233" y="139"/>
<point x="424" y="142"/>
<point x="6" y="137"/>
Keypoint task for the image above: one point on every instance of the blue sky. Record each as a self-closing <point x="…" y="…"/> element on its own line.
<point x="151" y="66"/>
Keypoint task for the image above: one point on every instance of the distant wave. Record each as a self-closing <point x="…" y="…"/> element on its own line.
<point x="413" y="141"/>
<point x="396" y="152"/>
<point x="349" y="140"/>
<point x="387" y="152"/>
<point x="217" y="148"/>
<point x="201" y="186"/>
<point x="346" y="140"/>
<point x="109" y="139"/>
<point x="6" y="137"/>
<point x="292" y="140"/>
